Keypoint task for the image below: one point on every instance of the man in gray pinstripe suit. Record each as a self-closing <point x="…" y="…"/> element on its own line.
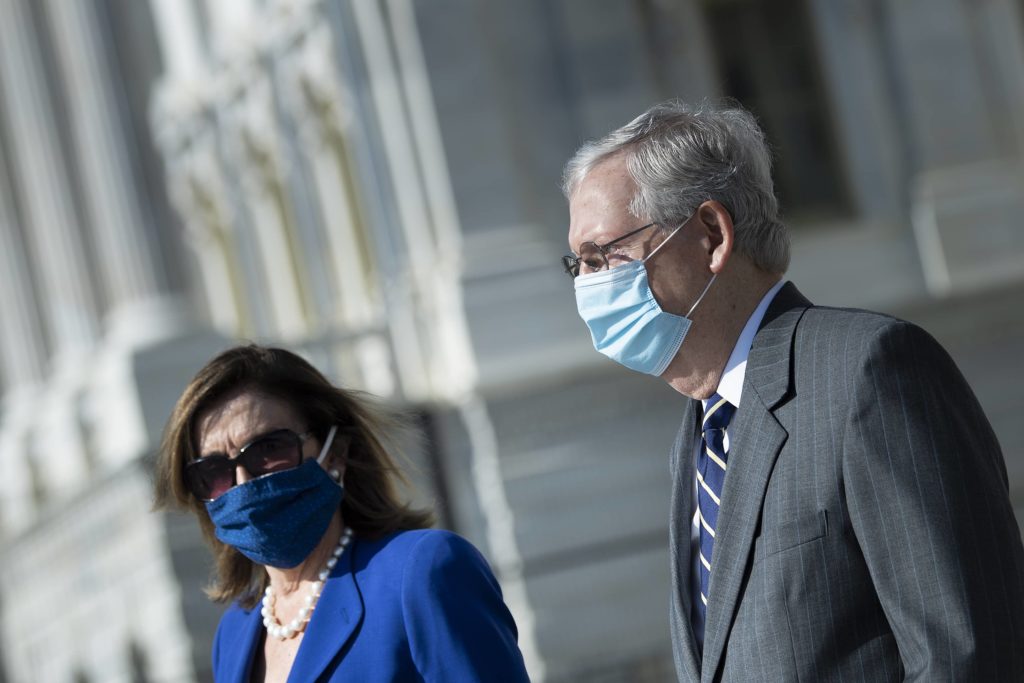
<point x="860" y="528"/>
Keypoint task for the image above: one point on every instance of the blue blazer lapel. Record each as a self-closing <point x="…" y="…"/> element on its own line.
<point x="336" y="618"/>
<point x="755" y="440"/>
<point x="684" y="646"/>
<point x="238" y="658"/>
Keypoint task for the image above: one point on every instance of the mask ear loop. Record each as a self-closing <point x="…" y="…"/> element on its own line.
<point x="334" y="473"/>
<point x="327" y="444"/>
<point x="701" y="297"/>
<point x="665" y="241"/>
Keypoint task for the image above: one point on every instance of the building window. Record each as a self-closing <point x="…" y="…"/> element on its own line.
<point x="767" y="60"/>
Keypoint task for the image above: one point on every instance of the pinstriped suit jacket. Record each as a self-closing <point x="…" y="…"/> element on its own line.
<point x="865" y="531"/>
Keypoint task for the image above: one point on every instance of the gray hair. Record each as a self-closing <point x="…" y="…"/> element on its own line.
<point x="680" y="156"/>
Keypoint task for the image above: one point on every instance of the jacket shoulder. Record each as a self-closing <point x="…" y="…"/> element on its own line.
<point x="849" y="332"/>
<point x="405" y="543"/>
<point x="392" y="553"/>
<point x="848" y="318"/>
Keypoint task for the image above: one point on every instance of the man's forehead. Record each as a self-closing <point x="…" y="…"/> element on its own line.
<point x="600" y="206"/>
<point x="609" y="176"/>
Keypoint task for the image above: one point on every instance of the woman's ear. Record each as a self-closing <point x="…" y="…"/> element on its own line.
<point x="717" y="224"/>
<point x="339" y="457"/>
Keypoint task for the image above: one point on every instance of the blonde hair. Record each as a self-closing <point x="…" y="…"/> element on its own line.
<point x="372" y="506"/>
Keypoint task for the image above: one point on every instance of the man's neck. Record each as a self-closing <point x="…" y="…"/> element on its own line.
<point x="698" y="366"/>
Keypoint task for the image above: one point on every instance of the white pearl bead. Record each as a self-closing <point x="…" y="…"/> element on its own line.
<point x="298" y="624"/>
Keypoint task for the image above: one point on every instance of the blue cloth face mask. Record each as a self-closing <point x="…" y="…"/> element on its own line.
<point x="277" y="519"/>
<point x="625" y="321"/>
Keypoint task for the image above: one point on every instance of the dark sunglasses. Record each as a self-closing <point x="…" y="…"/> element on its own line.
<point x="210" y="477"/>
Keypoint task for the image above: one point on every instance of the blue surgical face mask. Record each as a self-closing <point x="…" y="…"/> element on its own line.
<point x="277" y="519"/>
<point x="625" y="321"/>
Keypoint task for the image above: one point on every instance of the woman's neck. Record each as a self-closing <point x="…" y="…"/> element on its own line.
<point x="287" y="581"/>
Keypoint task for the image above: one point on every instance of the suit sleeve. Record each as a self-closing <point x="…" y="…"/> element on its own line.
<point x="458" y="626"/>
<point x="927" y="492"/>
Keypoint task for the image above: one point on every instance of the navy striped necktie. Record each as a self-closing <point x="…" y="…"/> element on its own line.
<point x="712" y="461"/>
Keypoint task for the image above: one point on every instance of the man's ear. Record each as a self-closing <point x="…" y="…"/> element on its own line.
<point x="716" y="222"/>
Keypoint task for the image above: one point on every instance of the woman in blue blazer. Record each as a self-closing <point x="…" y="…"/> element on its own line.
<point x="331" y="577"/>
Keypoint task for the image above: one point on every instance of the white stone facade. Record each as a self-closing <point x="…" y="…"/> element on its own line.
<point x="375" y="184"/>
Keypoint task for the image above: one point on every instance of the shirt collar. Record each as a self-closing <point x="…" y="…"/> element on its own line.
<point x="730" y="386"/>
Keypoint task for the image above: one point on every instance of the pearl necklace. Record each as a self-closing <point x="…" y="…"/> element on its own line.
<point x="298" y="624"/>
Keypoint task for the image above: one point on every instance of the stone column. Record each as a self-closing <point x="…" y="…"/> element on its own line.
<point x="253" y="147"/>
<point x="177" y="30"/>
<point x="130" y="266"/>
<point x="199" y="195"/>
<point x="231" y="26"/>
<point x="431" y="349"/>
<point x="22" y="346"/>
<point x="57" y="254"/>
<point x="54" y="235"/>
<point x="430" y="277"/>
<point x="453" y="368"/>
<point x="22" y="358"/>
<point x="312" y="102"/>
<point x="125" y="415"/>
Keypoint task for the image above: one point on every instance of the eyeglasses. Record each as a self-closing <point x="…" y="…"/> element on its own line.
<point x="593" y="255"/>
<point x="210" y="477"/>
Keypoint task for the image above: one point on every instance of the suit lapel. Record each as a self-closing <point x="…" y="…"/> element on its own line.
<point x="684" y="646"/>
<point x="239" y="657"/>
<point x="337" y="615"/>
<point x="755" y="440"/>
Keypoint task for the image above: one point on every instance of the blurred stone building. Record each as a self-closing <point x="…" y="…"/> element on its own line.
<point x="375" y="184"/>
